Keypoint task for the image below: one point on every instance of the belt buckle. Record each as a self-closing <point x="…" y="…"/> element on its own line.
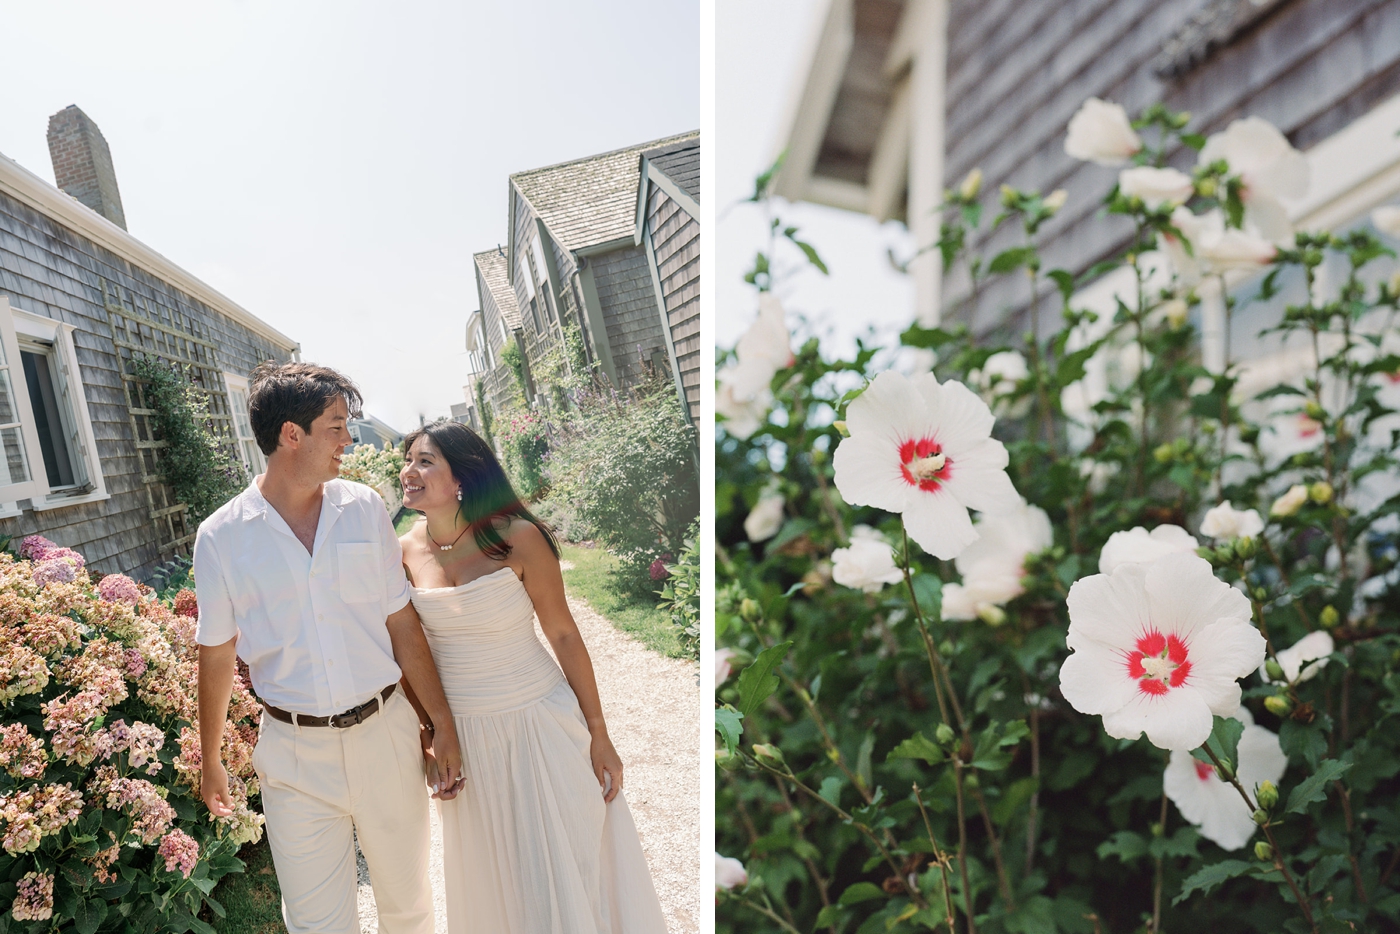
<point x="352" y="717"/>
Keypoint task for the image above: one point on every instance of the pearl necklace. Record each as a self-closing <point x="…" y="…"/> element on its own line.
<point x="448" y="547"/>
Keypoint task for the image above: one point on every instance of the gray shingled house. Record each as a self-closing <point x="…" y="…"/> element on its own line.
<point x="79" y="299"/>
<point x="901" y="98"/>
<point x="608" y="244"/>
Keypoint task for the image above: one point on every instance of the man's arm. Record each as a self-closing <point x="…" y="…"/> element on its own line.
<point x="415" y="660"/>
<point x="216" y="667"/>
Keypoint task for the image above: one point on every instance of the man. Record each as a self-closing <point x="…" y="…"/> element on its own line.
<point x="301" y="575"/>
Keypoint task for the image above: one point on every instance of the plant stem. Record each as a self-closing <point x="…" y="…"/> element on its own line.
<point x="1279" y="863"/>
<point x="766" y="912"/>
<point x="935" y="661"/>
<point x="1157" y="884"/>
<point x="962" y="847"/>
<point x="1031" y="827"/>
<point x="938" y="854"/>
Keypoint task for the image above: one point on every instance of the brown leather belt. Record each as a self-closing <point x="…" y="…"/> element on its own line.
<point x="340" y="720"/>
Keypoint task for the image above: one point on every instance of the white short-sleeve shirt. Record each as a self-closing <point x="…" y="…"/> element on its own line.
<point x="311" y="626"/>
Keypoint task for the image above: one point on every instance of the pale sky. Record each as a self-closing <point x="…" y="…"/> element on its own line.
<point x="762" y="56"/>
<point x="331" y="167"/>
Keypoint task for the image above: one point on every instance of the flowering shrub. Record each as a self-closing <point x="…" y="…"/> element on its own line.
<point x="680" y="597"/>
<point x="378" y="469"/>
<point x="523" y="441"/>
<point x="101" y="826"/>
<point x="1067" y="635"/>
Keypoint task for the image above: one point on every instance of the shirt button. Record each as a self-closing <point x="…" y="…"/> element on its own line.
<point x="331" y="663"/>
<point x="320" y="616"/>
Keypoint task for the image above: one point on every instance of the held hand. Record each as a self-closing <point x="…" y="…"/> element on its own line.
<point x="430" y="768"/>
<point x="213" y="788"/>
<point x="449" y="763"/>
<point x="606" y="759"/>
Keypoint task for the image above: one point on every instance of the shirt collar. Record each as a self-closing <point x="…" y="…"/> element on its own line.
<point x="253" y="505"/>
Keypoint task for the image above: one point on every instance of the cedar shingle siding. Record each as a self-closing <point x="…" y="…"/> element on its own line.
<point x="629" y="308"/>
<point x="674" y="236"/>
<point x="47" y="269"/>
<point x="1017" y="72"/>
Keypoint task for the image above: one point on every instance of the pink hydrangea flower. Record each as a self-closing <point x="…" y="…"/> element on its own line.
<point x="33" y="897"/>
<point x="180" y="851"/>
<point x="1159" y="648"/>
<point x="21" y="754"/>
<point x="118" y="588"/>
<point x="22" y="671"/>
<point x="55" y="571"/>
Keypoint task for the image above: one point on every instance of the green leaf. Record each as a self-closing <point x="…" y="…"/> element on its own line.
<point x="1195" y="140"/>
<point x="1224" y="741"/>
<point x="757" y="682"/>
<point x="791" y="530"/>
<point x="1036" y="915"/>
<point x="829" y="916"/>
<point x="1314" y="787"/>
<point x="1064" y="281"/>
<point x="1181" y="843"/>
<point x="860" y="892"/>
<point x="800" y="585"/>
<point x="1015" y="731"/>
<point x="1016" y="795"/>
<point x="928" y="338"/>
<point x="1014" y="258"/>
<point x="918" y="747"/>
<point x="1125" y="845"/>
<point x="865" y="771"/>
<point x="89" y="915"/>
<point x="811" y="253"/>
<point x="1211" y="876"/>
<point x="729" y="724"/>
<point x="830" y="790"/>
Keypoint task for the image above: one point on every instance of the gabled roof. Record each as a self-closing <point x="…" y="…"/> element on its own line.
<point x="680" y="162"/>
<point x="492" y="268"/>
<point x="588" y="201"/>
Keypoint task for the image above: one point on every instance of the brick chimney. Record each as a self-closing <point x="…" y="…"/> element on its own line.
<point x="82" y="163"/>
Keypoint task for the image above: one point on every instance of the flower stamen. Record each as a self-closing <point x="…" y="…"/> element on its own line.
<point x="924" y="464"/>
<point x="1159" y="664"/>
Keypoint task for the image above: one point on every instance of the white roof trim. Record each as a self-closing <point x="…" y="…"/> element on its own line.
<point x="812" y="99"/>
<point x="23" y="185"/>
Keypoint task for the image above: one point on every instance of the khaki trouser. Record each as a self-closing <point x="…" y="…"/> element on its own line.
<point x="321" y="787"/>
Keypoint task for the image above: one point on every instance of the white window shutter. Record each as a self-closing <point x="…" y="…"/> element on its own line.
<point x="19" y="438"/>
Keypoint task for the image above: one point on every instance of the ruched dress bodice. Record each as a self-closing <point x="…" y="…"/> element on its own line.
<point x="529" y="846"/>
<point x="483" y="639"/>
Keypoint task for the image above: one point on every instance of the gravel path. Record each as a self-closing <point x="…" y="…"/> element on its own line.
<point x="651" y="704"/>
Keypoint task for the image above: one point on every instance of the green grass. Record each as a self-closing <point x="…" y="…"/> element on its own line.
<point x="592" y="579"/>
<point x="251" y="898"/>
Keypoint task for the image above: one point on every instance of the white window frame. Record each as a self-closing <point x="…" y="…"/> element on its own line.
<point x="16" y="323"/>
<point x="232" y="382"/>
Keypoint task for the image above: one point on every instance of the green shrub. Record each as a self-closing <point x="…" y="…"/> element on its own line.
<point x="200" y="467"/>
<point x="681" y="595"/>
<point x="523" y="445"/>
<point x="627" y="463"/>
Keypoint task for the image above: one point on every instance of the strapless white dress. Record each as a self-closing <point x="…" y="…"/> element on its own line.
<point x="529" y="846"/>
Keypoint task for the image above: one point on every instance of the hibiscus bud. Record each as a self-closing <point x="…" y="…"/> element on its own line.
<point x="1277" y="704"/>
<point x="1249" y="434"/>
<point x="1320" y="492"/>
<point x="1260" y="594"/>
<point x="1055" y="200"/>
<point x="1164" y="453"/>
<point x="1263" y="851"/>
<point x="1274" y="669"/>
<point x="1224" y="552"/>
<point x="1246" y="548"/>
<point x="750" y="610"/>
<point x="1009" y="196"/>
<point x="1206" y="187"/>
<point x="1261" y="817"/>
<point x="1267" y="794"/>
<point x="992" y="615"/>
<point x="841" y="427"/>
<point x="1314" y="411"/>
<point x="1329" y="617"/>
<point x="944" y="733"/>
<point x="765" y="751"/>
<point x="1290" y="502"/>
<point x="971" y="185"/>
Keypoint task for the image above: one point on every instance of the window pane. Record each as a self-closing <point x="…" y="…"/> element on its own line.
<point x="7" y="397"/>
<point x="57" y="464"/>
<point x="15" y="466"/>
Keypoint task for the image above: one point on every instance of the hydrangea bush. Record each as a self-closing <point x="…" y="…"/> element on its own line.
<point x="101" y="825"/>
<point x="1091" y="629"/>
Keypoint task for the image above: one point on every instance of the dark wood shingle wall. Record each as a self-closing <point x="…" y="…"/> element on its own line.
<point x="675" y="237"/>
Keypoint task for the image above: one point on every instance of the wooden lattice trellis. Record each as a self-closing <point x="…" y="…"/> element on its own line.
<point x="142" y="327"/>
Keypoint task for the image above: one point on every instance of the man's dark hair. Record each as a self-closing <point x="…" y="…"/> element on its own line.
<point x="294" y="392"/>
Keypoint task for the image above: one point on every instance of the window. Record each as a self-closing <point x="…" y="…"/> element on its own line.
<point x="50" y="454"/>
<point x="248" y="450"/>
<point x="542" y="277"/>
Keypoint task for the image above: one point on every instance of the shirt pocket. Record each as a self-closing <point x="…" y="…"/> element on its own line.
<point x="361" y="577"/>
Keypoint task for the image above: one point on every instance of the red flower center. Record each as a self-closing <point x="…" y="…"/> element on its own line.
<point x="923" y="464"/>
<point x="1204" y="771"/>
<point x="1160" y="663"/>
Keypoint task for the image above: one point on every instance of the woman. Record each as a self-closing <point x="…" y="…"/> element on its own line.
<point x="539" y="840"/>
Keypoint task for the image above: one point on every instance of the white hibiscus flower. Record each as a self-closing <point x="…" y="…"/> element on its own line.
<point x="1215" y="249"/>
<point x="1227" y="522"/>
<point x="1139" y="546"/>
<point x="729" y="872"/>
<point x="722" y="668"/>
<point x="868" y="564"/>
<point x="1159" y="649"/>
<point x="1156" y="187"/>
<point x="744" y="396"/>
<point x="1290" y="502"/>
<point x="1387" y="219"/>
<point x="766" y="518"/>
<point x="997" y="380"/>
<point x="1314" y="647"/>
<point x="924" y="450"/>
<point x="1270" y="168"/>
<point x="1101" y="132"/>
<point x="1213" y="804"/>
<point x="992" y="566"/>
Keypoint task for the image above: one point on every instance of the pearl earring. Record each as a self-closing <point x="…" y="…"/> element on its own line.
<point x="459" y="494"/>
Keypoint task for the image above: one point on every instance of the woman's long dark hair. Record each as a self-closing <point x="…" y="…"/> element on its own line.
<point x="489" y="502"/>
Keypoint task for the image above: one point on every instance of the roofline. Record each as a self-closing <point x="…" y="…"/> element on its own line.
<point x="635" y="147"/>
<point x="673" y="147"/>
<point x="652" y="175"/>
<point x="28" y="188"/>
<point x="812" y="97"/>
